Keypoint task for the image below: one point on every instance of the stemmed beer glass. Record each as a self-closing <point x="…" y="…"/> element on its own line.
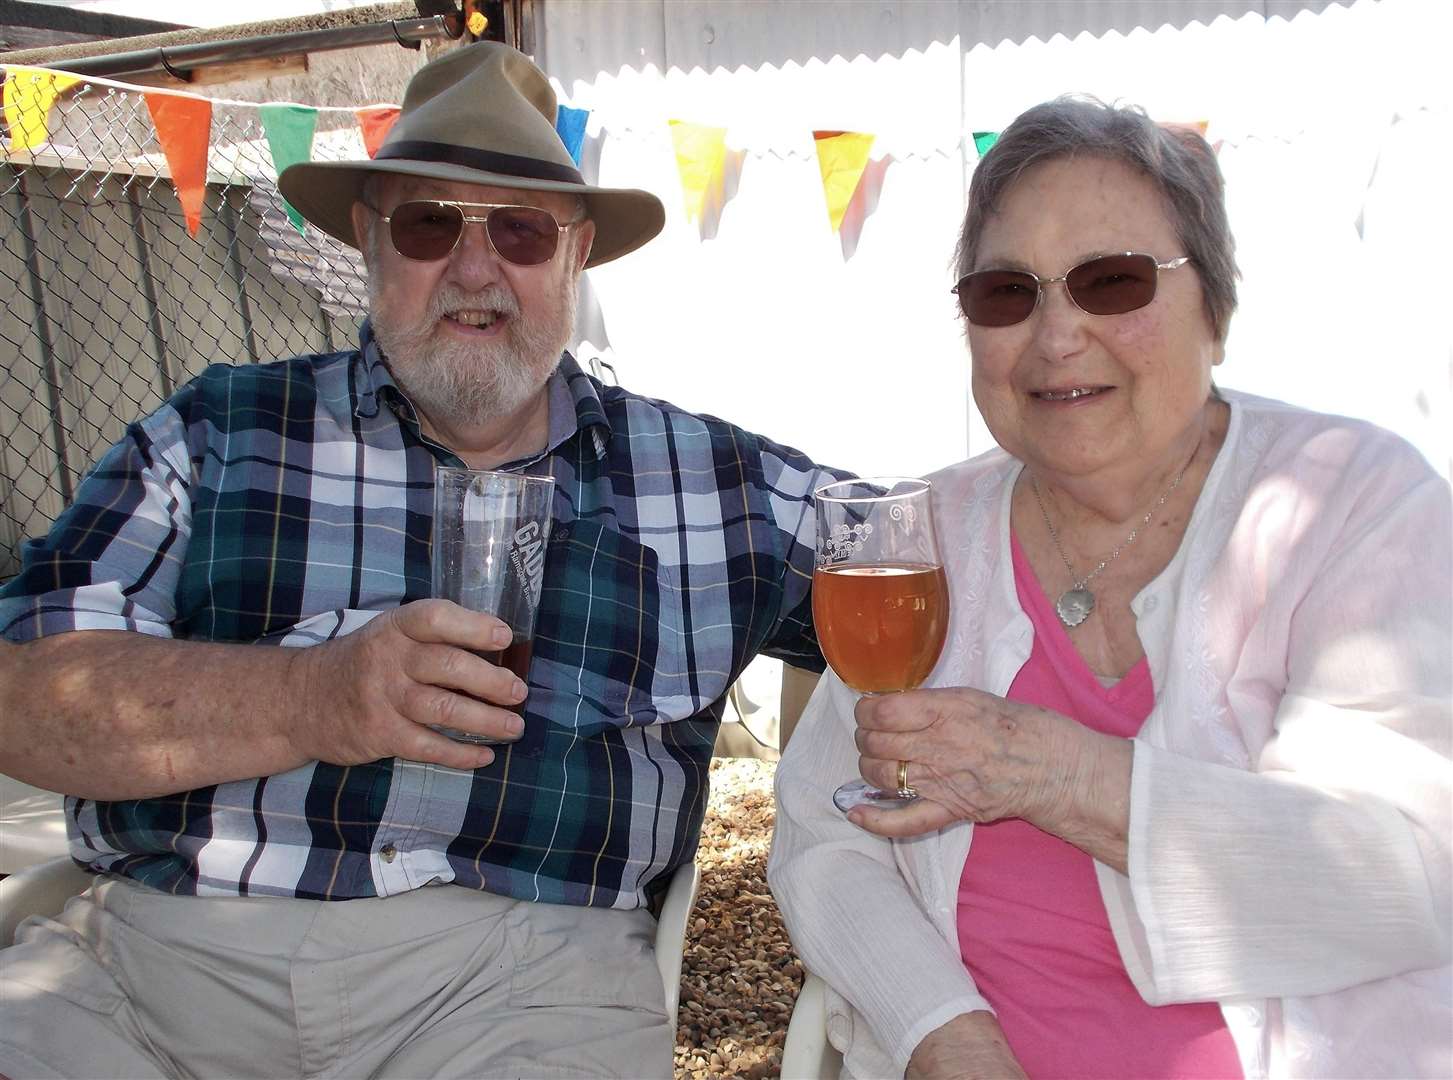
<point x="879" y="595"/>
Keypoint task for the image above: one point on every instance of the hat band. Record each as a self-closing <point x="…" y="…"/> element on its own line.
<point x="483" y="160"/>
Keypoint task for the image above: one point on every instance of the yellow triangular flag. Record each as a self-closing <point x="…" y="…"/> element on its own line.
<point x="29" y="94"/>
<point x="700" y="153"/>
<point x="842" y="156"/>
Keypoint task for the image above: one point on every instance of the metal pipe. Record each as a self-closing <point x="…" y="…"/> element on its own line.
<point x="406" y="32"/>
<point x="149" y="292"/>
<point x="230" y="217"/>
<point x="47" y="343"/>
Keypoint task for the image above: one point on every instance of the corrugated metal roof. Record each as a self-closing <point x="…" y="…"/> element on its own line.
<point x="608" y="35"/>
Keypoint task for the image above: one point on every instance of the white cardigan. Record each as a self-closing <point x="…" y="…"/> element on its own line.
<point x="1291" y="792"/>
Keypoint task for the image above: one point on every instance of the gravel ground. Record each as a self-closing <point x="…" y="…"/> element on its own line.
<point x="740" y="975"/>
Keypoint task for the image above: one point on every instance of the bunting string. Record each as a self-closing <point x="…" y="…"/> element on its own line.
<point x="708" y="159"/>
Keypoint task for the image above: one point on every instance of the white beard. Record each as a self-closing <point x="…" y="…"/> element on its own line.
<point x="457" y="384"/>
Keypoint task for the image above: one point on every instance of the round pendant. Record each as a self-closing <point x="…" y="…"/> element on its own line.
<point x="1074" y="605"/>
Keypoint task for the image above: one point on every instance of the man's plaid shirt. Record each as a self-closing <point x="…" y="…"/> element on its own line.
<point x="289" y="503"/>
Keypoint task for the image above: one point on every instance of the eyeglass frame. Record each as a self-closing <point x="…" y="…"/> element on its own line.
<point x="1040" y="284"/>
<point x="387" y="219"/>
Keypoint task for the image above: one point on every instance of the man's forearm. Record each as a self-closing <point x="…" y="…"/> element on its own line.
<point x="109" y="714"/>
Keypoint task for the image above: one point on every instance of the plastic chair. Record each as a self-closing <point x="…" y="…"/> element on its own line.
<point x="806" y="1054"/>
<point x="671" y="932"/>
<point x="44" y="888"/>
<point x="32" y="825"/>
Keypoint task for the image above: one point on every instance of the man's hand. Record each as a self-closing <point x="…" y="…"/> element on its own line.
<point x="969" y="1047"/>
<point x="376" y="692"/>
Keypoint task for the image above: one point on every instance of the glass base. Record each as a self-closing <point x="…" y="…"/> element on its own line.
<point x="861" y="793"/>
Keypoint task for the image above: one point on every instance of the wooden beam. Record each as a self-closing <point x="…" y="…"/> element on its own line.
<point x="263" y="68"/>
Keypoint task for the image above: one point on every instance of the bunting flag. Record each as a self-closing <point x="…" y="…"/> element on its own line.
<point x="841" y="157"/>
<point x="983" y="140"/>
<point x="1198" y="126"/>
<point x="700" y="155"/>
<point x="28" y="95"/>
<point x="570" y="123"/>
<point x="375" y="123"/>
<point x="183" y="127"/>
<point x="289" y="131"/>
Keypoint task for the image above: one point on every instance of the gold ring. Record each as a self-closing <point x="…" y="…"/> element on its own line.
<point x="903" y="788"/>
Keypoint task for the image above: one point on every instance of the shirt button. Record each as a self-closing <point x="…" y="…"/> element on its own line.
<point x="1151" y="603"/>
<point x="388" y="851"/>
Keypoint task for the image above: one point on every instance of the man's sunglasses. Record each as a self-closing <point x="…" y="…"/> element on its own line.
<point x="1107" y="285"/>
<point x="429" y="229"/>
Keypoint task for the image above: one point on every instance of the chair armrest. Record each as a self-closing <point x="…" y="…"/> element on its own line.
<point x="806" y="1053"/>
<point x="32" y="825"/>
<point x="671" y="932"/>
<point x="42" y="889"/>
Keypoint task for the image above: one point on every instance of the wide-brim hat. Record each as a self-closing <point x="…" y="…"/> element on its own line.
<point x="479" y="114"/>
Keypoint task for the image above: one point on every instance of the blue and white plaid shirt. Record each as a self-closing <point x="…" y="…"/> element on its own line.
<point x="288" y="503"/>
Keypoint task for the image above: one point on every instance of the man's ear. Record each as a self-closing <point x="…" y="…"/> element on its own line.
<point x="359" y="215"/>
<point x="583" y="244"/>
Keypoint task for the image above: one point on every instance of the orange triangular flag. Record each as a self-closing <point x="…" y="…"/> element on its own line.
<point x="841" y="156"/>
<point x="1198" y="126"/>
<point x="376" y="122"/>
<point x="183" y="127"/>
<point x="700" y="156"/>
<point x="29" y="93"/>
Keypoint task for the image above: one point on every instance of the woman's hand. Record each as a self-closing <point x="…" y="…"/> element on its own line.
<point x="977" y="757"/>
<point x="969" y="1047"/>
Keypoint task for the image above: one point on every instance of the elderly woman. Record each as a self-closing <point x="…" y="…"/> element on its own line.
<point x="1184" y="764"/>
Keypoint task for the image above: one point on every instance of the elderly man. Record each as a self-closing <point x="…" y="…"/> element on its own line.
<point x="229" y="793"/>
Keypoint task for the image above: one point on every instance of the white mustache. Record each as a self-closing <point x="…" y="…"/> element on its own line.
<point x="450" y="299"/>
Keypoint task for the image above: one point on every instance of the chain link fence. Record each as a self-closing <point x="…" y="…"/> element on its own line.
<point x="109" y="303"/>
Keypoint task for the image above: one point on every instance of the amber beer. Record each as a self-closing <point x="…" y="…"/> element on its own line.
<point x="881" y="625"/>
<point x="515" y="656"/>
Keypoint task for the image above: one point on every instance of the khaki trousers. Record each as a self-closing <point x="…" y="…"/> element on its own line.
<point x="439" y="982"/>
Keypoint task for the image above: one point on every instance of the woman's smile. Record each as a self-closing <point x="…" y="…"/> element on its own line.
<point x="1071" y="395"/>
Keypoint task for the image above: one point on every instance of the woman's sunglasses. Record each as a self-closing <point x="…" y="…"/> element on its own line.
<point x="429" y="229"/>
<point x="1107" y="285"/>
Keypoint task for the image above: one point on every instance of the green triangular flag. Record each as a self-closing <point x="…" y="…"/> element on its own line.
<point x="289" y="131"/>
<point x="983" y="140"/>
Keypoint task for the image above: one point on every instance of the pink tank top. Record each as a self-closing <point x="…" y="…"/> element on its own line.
<point x="1032" y="925"/>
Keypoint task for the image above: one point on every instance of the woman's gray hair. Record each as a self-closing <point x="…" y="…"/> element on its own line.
<point x="1176" y="160"/>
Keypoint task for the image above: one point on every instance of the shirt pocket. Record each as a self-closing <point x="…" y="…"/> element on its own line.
<point x="611" y="641"/>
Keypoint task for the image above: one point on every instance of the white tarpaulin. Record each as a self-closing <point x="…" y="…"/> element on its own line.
<point x="1334" y="130"/>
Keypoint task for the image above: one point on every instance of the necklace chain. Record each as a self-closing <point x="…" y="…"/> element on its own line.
<point x="1080" y="583"/>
